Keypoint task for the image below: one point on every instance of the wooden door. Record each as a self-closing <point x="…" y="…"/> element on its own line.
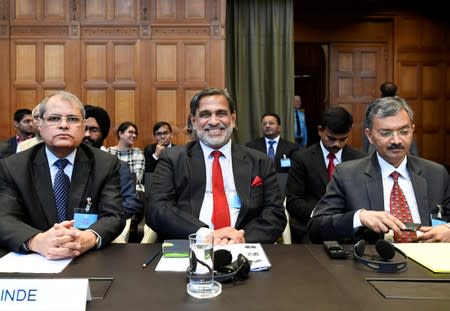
<point x="356" y="72"/>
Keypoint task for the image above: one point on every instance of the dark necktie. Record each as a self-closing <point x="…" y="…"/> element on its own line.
<point x="61" y="189"/>
<point x="298" y="132"/>
<point x="221" y="212"/>
<point x="400" y="209"/>
<point x="271" y="151"/>
<point x="331" y="165"/>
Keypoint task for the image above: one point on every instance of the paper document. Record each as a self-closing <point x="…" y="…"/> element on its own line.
<point x="31" y="263"/>
<point x="434" y="256"/>
<point x="253" y="251"/>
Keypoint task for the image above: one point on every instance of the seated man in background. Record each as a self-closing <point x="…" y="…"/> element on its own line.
<point x="278" y="149"/>
<point x="26" y="144"/>
<point x="23" y="122"/>
<point x="44" y="187"/>
<point x="162" y="131"/>
<point x="312" y="168"/>
<point x="386" y="190"/>
<point x="214" y="185"/>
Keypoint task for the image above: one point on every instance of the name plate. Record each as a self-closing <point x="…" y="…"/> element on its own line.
<point x="44" y="294"/>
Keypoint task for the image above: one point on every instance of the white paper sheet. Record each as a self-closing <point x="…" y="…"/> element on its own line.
<point x="31" y="263"/>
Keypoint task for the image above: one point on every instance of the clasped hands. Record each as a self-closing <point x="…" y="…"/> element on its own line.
<point x="62" y="240"/>
<point x="228" y="235"/>
<point x="382" y="222"/>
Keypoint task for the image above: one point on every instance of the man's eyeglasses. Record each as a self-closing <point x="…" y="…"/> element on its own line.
<point x="56" y="119"/>
<point x="391" y="133"/>
<point x="160" y="134"/>
<point x="92" y="129"/>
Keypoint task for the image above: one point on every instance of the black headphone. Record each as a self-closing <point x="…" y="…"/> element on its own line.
<point x="380" y="262"/>
<point x="224" y="270"/>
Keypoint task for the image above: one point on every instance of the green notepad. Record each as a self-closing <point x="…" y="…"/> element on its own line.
<point x="175" y="248"/>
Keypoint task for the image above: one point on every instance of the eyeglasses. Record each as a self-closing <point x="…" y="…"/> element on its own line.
<point x="92" y="129"/>
<point x="56" y="119"/>
<point x="391" y="133"/>
<point x="131" y="132"/>
<point x="162" y="133"/>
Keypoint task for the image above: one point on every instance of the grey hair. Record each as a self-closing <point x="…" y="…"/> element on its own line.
<point x="65" y="96"/>
<point x="387" y="107"/>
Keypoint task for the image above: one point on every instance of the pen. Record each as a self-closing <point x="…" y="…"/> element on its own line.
<point x="150" y="259"/>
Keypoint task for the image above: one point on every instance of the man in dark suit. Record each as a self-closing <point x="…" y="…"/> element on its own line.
<point x="365" y="193"/>
<point x="36" y="214"/>
<point x="23" y="122"/>
<point x="308" y="176"/>
<point x="281" y="150"/>
<point x="214" y="186"/>
<point x="162" y="131"/>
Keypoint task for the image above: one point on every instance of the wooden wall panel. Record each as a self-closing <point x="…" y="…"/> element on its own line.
<point x="408" y="80"/>
<point x="26" y="99"/>
<point x="96" y="62"/>
<point x="431" y="74"/>
<point x="167" y="109"/>
<point x="55" y="9"/>
<point x="195" y="9"/>
<point x="95" y="9"/>
<point x="25" y="9"/>
<point x="25" y="63"/>
<point x="166" y="62"/>
<point x="124" y="106"/>
<point x="195" y="62"/>
<point x="166" y="9"/>
<point x="124" y="62"/>
<point x="54" y="62"/>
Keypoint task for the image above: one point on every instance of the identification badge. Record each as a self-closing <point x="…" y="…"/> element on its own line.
<point x="437" y="221"/>
<point x="233" y="200"/>
<point x="83" y="217"/>
<point x="285" y="162"/>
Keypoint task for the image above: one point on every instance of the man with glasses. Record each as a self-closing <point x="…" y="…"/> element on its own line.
<point x="162" y="131"/>
<point x="61" y="198"/>
<point x="384" y="191"/>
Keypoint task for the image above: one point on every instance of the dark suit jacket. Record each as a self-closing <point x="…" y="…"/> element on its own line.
<point x="307" y="181"/>
<point x="27" y="200"/>
<point x="178" y="188"/>
<point x="358" y="184"/>
<point x="130" y="201"/>
<point x="150" y="162"/>
<point x="284" y="148"/>
<point x="8" y="147"/>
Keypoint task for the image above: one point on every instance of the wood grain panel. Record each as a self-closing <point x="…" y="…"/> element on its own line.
<point x="345" y="62"/>
<point x="431" y="74"/>
<point x="433" y="147"/>
<point x="345" y="87"/>
<point x="195" y="62"/>
<point x="26" y="99"/>
<point x="54" y="62"/>
<point x="433" y="35"/>
<point x="124" y="9"/>
<point x="431" y="115"/>
<point x="166" y="62"/>
<point x="369" y="87"/>
<point x="54" y="9"/>
<point x="447" y="118"/>
<point x="96" y="97"/>
<point x="368" y="62"/>
<point x="25" y="9"/>
<point x="124" y="101"/>
<point x="48" y="92"/>
<point x="408" y="33"/>
<point x="447" y="80"/>
<point x="166" y="101"/>
<point x="25" y="62"/>
<point x="408" y="80"/>
<point x="166" y="9"/>
<point x="96" y="9"/>
<point x="96" y="62"/>
<point x="194" y="9"/>
<point x="124" y="61"/>
<point x="188" y="94"/>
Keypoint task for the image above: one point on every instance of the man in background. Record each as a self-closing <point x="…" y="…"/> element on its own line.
<point x="23" y="122"/>
<point x="312" y="168"/>
<point x="300" y="131"/>
<point x="162" y="131"/>
<point x="212" y="185"/>
<point x="26" y="144"/>
<point x="278" y="149"/>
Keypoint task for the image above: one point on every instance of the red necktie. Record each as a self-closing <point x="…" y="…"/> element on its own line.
<point x="400" y="209"/>
<point x="331" y="165"/>
<point x="221" y="212"/>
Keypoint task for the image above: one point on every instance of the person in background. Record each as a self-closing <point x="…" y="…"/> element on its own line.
<point x="384" y="191"/>
<point x="97" y="126"/>
<point x="127" y="133"/>
<point x="313" y="166"/>
<point x="212" y="185"/>
<point x="24" y="145"/>
<point x="278" y="149"/>
<point x="23" y="122"/>
<point x="162" y="131"/>
<point x="45" y="189"/>
<point x="300" y="130"/>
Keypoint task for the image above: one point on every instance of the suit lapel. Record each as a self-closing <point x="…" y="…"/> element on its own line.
<point x="317" y="159"/>
<point x="242" y="171"/>
<point x="82" y="171"/>
<point x="43" y="183"/>
<point x="419" y="184"/>
<point x="374" y="184"/>
<point x="197" y="176"/>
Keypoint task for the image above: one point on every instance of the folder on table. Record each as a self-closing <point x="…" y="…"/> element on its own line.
<point x="433" y="256"/>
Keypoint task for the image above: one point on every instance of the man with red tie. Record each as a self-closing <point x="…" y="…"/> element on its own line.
<point x="388" y="189"/>
<point x="313" y="167"/>
<point x="213" y="184"/>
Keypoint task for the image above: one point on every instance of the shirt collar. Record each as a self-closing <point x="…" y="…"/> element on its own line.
<point x="387" y="168"/>
<point x="52" y="158"/>
<point x="277" y="139"/>
<point x="325" y="152"/>
<point x="225" y="149"/>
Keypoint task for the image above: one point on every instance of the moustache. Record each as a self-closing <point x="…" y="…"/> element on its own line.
<point x="208" y="128"/>
<point x="395" y="147"/>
